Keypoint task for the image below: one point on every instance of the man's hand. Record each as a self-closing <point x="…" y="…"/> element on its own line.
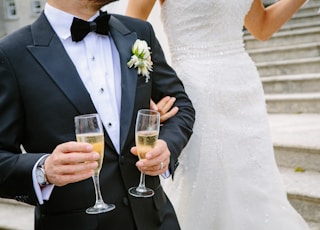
<point x="71" y="162"/>
<point x="156" y="161"/>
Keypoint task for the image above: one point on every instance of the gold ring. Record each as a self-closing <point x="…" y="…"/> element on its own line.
<point x="161" y="165"/>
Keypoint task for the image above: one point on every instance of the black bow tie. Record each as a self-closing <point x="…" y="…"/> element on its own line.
<point x="80" y="28"/>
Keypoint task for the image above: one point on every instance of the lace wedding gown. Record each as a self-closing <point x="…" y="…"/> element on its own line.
<point x="227" y="178"/>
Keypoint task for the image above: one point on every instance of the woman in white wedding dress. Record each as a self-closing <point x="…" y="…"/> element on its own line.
<point x="228" y="178"/>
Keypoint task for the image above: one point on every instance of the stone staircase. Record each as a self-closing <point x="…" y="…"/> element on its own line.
<point x="289" y="66"/>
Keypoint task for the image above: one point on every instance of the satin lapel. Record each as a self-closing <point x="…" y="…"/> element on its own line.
<point x="124" y="39"/>
<point x="50" y="53"/>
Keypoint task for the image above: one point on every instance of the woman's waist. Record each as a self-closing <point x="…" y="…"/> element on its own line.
<point x="206" y="49"/>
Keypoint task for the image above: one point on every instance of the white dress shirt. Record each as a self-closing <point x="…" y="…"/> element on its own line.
<point x="98" y="64"/>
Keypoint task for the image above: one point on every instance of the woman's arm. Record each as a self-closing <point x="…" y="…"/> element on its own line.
<point x="140" y="8"/>
<point x="262" y="22"/>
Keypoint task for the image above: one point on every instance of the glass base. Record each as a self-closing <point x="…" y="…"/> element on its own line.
<point x="100" y="208"/>
<point x="138" y="192"/>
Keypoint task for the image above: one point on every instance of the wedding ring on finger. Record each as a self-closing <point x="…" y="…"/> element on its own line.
<point x="161" y="166"/>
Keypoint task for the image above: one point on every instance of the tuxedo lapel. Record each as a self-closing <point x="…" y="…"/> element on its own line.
<point x="50" y="53"/>
<point x="124" y="40"/>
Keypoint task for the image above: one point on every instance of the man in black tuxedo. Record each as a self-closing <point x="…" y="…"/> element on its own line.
<point x="47" y="77"/>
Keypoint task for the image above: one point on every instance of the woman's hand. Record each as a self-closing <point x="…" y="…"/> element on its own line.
<point x="164" y="107"/>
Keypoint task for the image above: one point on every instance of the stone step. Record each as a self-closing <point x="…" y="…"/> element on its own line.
<point x="289" y="67"/>
<point x="300" y="83"/>
<point x="303" y="193"/>
<point x="306" y="22"/>
<point x="16" y="215"/>
<point x="293" y="103"/>
<point x="311" y="7"/>
<point x="311" y="22"/>
<point x="289" y="52"/>
<point x="305" y="16"/>
<point x="284" y="38"/>
<point x="298" y="158"/>
<point x="296" y="140"/>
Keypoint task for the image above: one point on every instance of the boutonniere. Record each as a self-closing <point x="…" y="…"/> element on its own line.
<point x="141" y="58"/>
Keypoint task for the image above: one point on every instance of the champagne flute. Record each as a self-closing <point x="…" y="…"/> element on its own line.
<point x="89" y="129"/>
<point x="147" y="131"/>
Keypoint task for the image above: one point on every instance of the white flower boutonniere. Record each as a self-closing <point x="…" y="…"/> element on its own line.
<point x="141" y="58"/>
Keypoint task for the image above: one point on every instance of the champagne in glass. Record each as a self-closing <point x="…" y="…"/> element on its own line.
<point x="97" y="141"/>
<point x="89" y="129"/>
<point x="145" y="141"/>
<point x="147" y="131"/>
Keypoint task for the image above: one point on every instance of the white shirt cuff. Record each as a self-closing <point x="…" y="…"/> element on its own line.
<point x="166" y="174"/>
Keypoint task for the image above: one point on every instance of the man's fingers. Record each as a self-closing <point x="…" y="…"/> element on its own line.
<point x="61" y="180"/>
<point x="74" y="146"/>
<point x="75" y="168"/>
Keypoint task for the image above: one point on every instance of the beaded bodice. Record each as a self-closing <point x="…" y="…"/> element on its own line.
<point x="213" y="26"/>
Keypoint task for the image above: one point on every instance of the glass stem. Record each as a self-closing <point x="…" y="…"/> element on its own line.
<point x="96" y="183"/>
<point x="142" y="185"/>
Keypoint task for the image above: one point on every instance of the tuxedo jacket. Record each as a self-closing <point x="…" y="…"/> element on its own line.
<point x="41" y="93"/>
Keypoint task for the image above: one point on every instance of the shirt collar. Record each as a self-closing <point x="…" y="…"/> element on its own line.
<point x="61" y="21"/>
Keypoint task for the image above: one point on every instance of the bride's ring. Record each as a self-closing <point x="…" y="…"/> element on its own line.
<point x="161" y="166"/>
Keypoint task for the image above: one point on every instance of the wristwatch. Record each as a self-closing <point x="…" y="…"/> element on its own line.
<point x="41" y="173"/>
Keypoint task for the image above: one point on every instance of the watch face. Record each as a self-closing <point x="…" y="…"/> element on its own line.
<point x="40" y="176"/>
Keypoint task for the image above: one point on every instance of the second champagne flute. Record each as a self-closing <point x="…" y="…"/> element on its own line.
<point x="89" y="129"/>
<point x="147" y="131"/>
